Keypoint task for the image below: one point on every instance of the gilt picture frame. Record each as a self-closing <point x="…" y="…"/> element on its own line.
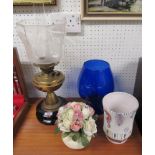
<point x="33" y="2"/>
<point x="111" y="9"/>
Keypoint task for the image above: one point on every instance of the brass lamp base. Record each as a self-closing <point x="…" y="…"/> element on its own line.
<point x="48" y="81"/>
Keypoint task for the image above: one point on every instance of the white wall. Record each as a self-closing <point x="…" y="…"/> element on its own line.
<point x="118" y="42"/>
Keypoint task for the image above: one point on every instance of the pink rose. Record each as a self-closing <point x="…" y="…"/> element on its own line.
<point x="76" y="126"/>
<point x="78" y="115"/>
<point x="76" y="106"/>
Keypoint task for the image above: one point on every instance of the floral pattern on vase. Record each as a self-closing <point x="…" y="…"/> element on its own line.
<point x="108" y="118"/>
<point x="119" y="119"/>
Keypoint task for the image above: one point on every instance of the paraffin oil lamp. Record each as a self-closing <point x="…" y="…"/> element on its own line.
<point x="43" y="42"/>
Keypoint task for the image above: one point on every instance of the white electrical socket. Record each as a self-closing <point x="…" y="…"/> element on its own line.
<point x="73" y="23"/>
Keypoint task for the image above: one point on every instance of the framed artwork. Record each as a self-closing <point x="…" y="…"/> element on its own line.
<point x="111" y="9"/>
<point x="31" y="2"/>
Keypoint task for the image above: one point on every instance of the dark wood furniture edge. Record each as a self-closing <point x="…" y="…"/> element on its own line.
<point x="17" y="122"/>
<point x="138" y="94"/>
<point x="20" y="74"/>
<point x="21" y="114"/>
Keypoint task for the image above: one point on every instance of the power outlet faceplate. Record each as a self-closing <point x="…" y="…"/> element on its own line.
<point x="73" y="23"/>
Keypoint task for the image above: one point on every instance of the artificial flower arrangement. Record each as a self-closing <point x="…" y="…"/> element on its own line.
<point x="77" y="124"/>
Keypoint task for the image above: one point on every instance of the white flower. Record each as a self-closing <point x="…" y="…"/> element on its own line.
<point x="63" y="127"/>
<point x="89" y="127"/>
<point x="65" y="120"/>
<point x="86" y="111"/>
<point x="61" y="109"/>
<point x="71" y="104"/>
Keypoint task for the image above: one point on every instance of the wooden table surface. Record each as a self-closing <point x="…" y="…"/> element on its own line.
<point x="34" y="138"/>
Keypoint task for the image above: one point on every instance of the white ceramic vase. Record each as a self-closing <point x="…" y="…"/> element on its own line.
<point x="119" y="113"/>
<point x="74" y="144"/>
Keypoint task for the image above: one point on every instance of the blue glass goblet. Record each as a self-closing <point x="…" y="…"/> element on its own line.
<point x="95" y="81"/>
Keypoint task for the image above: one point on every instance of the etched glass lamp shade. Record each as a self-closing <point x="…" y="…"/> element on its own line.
<point x="44" y="42"/>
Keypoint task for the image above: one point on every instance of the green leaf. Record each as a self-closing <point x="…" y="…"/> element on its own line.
<point x="82" y="133"/>
<point x="71" y="134"/>
<point x="76" y="136"/>
<point x="57" y="130"/>
<point x="84" y="140"/>
<point x="65" y="134"/>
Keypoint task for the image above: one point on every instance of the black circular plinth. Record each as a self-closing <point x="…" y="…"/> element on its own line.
<point x="47" y="117"/>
